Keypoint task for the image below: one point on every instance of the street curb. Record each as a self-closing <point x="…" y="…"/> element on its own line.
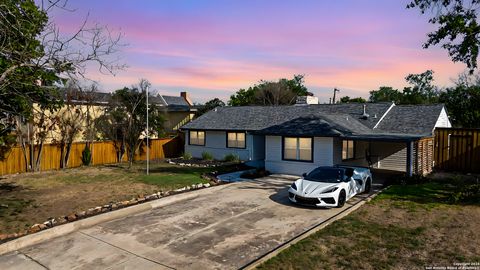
<point x="315" y="228"/>
<point x="67" y="228"/>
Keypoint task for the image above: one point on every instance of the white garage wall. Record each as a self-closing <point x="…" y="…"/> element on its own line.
<point x="384" y="155"/>
<point x="322" y="156"/>
<point x="443" y="120"/>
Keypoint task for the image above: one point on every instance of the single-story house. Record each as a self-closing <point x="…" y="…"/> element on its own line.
<point x="296" y="139"/>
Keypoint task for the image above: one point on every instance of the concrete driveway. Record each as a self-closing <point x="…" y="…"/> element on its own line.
<point x="225" y="229"/>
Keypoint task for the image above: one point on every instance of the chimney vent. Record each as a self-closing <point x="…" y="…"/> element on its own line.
<point x="306" y="100"/>
<point x="365" y="115"/>
<point x="185" y="96"/>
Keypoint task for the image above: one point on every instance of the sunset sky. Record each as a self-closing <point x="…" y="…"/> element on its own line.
<point x="213" y="48"/>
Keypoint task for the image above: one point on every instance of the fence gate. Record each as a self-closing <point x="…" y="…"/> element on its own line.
<point x="457" y="149"/>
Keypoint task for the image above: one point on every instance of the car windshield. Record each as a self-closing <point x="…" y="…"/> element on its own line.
<point x="326" y="175"/>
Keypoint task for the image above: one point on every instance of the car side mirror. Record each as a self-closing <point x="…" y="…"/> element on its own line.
<point x="304" y="174"/>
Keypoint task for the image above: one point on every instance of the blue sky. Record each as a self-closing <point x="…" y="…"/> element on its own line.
<point x="213" y="48"/>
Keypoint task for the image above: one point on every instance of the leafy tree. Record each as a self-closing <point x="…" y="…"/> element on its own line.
<point x="385" y="94"/>
<point x="243" y="97"/>
<point x="126" y="121"/>
<point x="347" y="99"/>
<point x="296" y="85"/>
<point x="34" y="55"/>
<point x="458" y="29"/>
<point x="422" y="90"/>
<point x="463" y="102"/>
<point x="210" y="105"/>
<point x="110" y="127"/>
<point x="282" y="92"/>
<point x="21" y="23"/>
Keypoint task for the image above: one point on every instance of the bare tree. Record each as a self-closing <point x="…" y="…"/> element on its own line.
<point x="65" y="55"/>
<point x="275" y="93"/>
<point x="32" y="134"/>
<point x="71" y="119"/>
<point x="34" y="54"/>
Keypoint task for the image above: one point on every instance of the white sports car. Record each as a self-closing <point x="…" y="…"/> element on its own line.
<point x="330" y="186"/>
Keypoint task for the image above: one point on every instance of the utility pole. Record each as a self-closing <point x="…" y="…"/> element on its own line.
<point x="148" y="147"/>
<point x="335" y="90"/>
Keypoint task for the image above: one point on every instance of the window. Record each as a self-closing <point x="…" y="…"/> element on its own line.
<point x="236" y="139"/>
<point x="348" y="149"/>
<point x="197" y="137"/>
<point x="295" y="148"/>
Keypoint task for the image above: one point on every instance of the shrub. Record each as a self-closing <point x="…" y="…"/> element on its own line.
<point x="86" y="156"/>
<point x="231" y="158"/>
<point x="186" y="156"/>
<point x="466" y="194"/>
<point x="207" y="156"/>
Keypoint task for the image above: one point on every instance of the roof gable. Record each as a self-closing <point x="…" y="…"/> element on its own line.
<point x="411" y="119"/>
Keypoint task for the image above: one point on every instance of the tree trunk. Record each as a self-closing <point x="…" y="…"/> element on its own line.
<point x="130" y="157"/>
<point x="39" y="158"/>
<point x="62" y="155"/>
<point x="25" y="154"/>
<point x="32" y="155"/>
<point x="67" y="154"/>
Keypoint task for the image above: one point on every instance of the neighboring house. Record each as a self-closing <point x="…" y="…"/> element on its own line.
<point x="296" y="139"/>
<point x="180" y="110"/>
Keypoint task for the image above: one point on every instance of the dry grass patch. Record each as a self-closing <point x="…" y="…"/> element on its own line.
<point x="26" y="199"/>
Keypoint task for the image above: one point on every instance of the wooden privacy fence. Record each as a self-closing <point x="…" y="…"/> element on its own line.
<point x="457" y="149"/>
<point x="102" y="153"/>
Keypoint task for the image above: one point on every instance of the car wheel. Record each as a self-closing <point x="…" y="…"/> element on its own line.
<point x="342" y="197"/>
<point x="368" y="186"/>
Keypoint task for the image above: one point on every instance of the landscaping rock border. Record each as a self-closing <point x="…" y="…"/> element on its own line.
<point x="198" y="162"/>
<point x="52" y="222"/>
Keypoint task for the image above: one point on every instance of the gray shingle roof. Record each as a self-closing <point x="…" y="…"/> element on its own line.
<point x="411" y="119"/>
<point x="176" y="104"/>
<point x="324" y="120"/>
<point x="175" y="101"/>
<point x="256" y="118"/>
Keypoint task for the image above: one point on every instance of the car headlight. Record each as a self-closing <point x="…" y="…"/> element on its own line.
<point x="330" y="190"/>
<point x="294" y="186"/>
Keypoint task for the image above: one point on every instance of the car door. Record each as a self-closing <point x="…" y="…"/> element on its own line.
<point x="358" y="184"/>
<point x="352" y="186"/>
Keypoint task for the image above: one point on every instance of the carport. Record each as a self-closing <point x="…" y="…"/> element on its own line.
<point x="411" y="154"/>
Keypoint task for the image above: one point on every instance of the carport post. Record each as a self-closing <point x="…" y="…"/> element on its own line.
<point x="409" y="158"/>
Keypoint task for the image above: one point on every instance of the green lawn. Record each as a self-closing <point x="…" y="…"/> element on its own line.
<point x="169" y="177"/>
<point x="405" y="227"/>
